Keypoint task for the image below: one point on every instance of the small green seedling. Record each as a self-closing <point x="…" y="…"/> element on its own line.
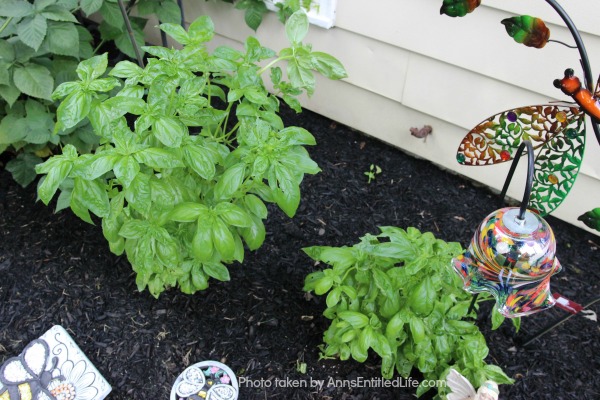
<point x="373" y="171"/>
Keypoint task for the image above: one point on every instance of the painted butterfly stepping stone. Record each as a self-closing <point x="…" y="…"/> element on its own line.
<point x="52" y="367"/>
<point x="206" y="380"/>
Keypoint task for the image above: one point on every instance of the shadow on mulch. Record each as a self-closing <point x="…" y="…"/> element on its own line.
<point x="57" y="269"/>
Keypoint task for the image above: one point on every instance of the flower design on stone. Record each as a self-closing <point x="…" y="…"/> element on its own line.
<point x="73" y="382"/>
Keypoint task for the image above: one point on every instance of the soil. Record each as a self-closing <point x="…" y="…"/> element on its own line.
<point x="57" y="269"/>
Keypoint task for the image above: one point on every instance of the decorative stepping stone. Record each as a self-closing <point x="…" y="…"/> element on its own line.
<point x="52" y="367"/>
<point x="206" y="380"/>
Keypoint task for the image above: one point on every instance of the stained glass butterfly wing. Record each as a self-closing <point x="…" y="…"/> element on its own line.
<point x="558" y="131"/>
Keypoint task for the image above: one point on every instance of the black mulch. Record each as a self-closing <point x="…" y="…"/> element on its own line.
<point x="56" y="269"/>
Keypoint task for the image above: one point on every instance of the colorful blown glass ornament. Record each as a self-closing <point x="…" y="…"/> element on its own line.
<point x="459" y="8"/>
<point x="513" y="259"/>
<point x="527" y="30"/>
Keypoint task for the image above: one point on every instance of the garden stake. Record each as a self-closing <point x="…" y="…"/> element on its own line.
<point x="138" y="54"/>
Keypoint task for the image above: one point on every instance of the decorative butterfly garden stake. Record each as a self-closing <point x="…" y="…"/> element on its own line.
<point x="557" y="131"/>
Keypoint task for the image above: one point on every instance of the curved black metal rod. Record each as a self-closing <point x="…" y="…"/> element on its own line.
<point x="585" y="61"/>
<point x="511" y="172"/>
<point x="136" y="49"/>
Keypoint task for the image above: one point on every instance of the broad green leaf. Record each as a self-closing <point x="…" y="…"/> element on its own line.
<point x="34" y="80"/>
<point x="169" y="12"/>
<point x="16" y="8"/>
<point x="254" y="14"/>
<point x="124" y="104"/>
<point x="111" y="13"/>
<point x="22" y="168"/>
<point x="356" y="319"/>
<point x="91" y="6"/>
<point x="256" y="206"/>
<point x="105" y="85"/>
<point x="327" y="65"/>
<point x="92" y="195"/>
<point x="12" y="129"/>
<point x="126" y="69"/>
<point x="53" y="179"/>
<point x="10" y="94"/>
<point x="288" y="201"/>
<point x="32" y="31"/>
<point x="495" y="373"/>
<point x="233" y="215"/>
<point x="323" y="285"/>
<point x="295" y="135"/>
<point x="230" y="181"/>
<point x="223" y="239"/>
<point x="417" y="329"/>
<point x="73" y="109"/>
<point x="65" y="89"/>
<point x="126" y="169"/>
<point x="94" y="166"/>
<point x="58" y="13"/>
<point x="198" y="159"/>
<point x="134" y="229"/>
<point x="63" y="39"/>
<point x="217" y="271"/>
<point x="202" y="243"/>
<point x="497" y="318"/>
<point x="423" y="297"/>
<point x="188" y="212"/>
<point x="169" y="131"/>
<point x="139" y="194"/>
<point x="93" y="68"/>
<point x="300" y="77"/>
<point x="296" y="27"/>
<point x="201" y="30"/>
<point x="159" y="158"/>
<point x="176" y="31"/>
<point x="254" y="236"/>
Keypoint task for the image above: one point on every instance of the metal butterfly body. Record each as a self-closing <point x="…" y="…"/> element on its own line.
<point x="557" y="130"/>
<point x="26" y="377"/>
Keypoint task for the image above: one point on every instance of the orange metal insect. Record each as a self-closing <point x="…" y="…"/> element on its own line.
<point x="571" y="86"/>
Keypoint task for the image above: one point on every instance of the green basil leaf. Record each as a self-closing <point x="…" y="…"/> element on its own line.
<point x="356" y="319"/>
<point x="134" y="229"/>
<point x="255" y="234"/>
<point x="288" y="201"/>
<point x="422" y="298"/>
<point x="170" y="131"/>
<point x="256" y="206"/>
<point x="92" y="195"/>
<point x="73" y="110"/>
<point x="223" y="239"/>
<point x="92" y="68"/>
<point x="158" y="158"/>
<point x="188" y="212"/>
<point x="175" y="31"/>
<point x="497" y="318"/>
<point x="230" y="181"/>
<point x="417" y="329"/>
<point x="126" y="69"/>
<point x="327" y="65"/>
<point x="202" y="243"/>
<point x="233" y="215"/>
<point x="126" y="169"/>
<point x="217" y="271"/>
<point x="296" y="27"/>
<point x="198" y="159"/>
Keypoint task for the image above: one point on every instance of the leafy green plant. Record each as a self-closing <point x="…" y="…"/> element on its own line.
<point x="395" y="293"/>
<point x="40" y="44"/>
<point x="192" y="149"/>
<point x="372" y="173"/>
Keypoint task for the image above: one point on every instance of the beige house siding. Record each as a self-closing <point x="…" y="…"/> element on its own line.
<point x="409" y="66"/>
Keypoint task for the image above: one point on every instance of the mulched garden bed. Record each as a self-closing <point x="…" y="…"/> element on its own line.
<point x="56" y="269"/>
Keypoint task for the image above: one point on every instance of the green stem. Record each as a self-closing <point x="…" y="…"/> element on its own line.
<point x="98" y="47"/>
<point x="5" y="24"/>
<point x="275" y="61"/>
